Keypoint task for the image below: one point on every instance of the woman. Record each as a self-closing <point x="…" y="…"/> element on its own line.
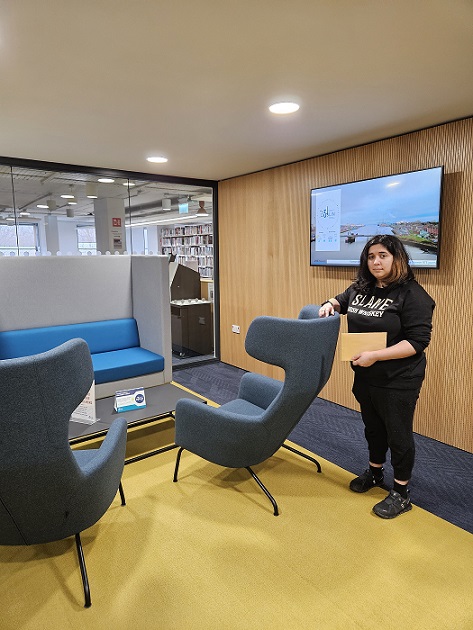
<point x="385" y="297"/>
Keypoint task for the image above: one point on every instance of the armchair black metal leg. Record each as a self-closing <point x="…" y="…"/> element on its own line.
<point x="264" y="489"/>
<point x="178" y="459"/>
<point x="311" y="459"/>
<point x="83" y="571"/>
<point x="122" y="494"/>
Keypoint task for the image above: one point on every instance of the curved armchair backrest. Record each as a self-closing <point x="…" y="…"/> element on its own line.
<point x="304" y="348"/>
<point x="38" y="472"/>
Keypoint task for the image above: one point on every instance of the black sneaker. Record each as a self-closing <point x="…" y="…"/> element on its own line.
<point x="366" y="481"/>
<point x="393" y="505"/>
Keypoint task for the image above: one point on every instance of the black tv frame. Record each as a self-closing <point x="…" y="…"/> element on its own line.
<point x="353" y="264"/>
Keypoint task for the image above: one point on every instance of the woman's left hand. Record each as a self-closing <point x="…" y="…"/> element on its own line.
<point x="402" y="349"/>
<point x="364" y="359"/>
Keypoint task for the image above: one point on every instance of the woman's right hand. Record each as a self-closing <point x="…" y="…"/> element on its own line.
<point x="326" y="309"/>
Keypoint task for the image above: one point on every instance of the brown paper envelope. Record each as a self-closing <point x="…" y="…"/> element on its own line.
<point x="354" y="343"/>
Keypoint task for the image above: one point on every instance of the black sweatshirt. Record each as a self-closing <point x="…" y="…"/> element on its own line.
<point x="404" y="312"/>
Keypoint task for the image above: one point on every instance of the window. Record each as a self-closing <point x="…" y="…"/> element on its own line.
<point x="145" y="240"/>
<point x="86" y="240"/>
<point x="21" y="239"/>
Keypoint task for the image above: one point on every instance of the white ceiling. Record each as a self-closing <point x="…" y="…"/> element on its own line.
<point x="107" y="82"/>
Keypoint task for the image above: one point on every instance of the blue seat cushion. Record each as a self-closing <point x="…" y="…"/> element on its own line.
<point x="128" y="363"/>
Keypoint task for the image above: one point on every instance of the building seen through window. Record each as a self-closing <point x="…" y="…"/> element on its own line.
<point x="86" y="239"/>
<point x="19" y="239"/>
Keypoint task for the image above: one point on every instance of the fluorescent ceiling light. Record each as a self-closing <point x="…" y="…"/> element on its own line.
<point x="157" y="159"/>
<point x="130" y="184"/>
<point x="70" y="194"/>
<point x="106" y="180"/>
<point x="42" y="205"/>
<point x="283" y="108"/>
<point x="188" y="217"/>
<point x="204" y="197"/>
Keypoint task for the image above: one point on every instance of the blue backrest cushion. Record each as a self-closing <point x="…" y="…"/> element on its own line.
<point x="103" y="336"/>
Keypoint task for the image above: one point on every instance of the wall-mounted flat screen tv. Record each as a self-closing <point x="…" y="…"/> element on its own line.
<point x="345" y="216"/>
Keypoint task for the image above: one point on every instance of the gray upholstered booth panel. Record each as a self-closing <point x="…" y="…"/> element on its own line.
<point x="151" y="308"/>
<point x="55" y="290"/>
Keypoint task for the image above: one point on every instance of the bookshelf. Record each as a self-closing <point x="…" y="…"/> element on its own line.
<point x="190" y="243"/>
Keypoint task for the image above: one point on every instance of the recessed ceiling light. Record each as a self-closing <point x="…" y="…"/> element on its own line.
<point x="283" y="108"/>
<point x="42" y="205"/>
<point x="70" y="196"/>
<point x="157" y="159"/>
<point x="129" y="184"/>
<point x="106" y="180"/>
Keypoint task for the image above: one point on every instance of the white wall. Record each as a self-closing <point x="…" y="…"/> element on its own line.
<point x="67" y="234"/>
<point x="135" y="239"/>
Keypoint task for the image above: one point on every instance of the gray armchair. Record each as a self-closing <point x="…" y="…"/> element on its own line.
<point x="47" y="491"/>
<point x="251" y="428"/>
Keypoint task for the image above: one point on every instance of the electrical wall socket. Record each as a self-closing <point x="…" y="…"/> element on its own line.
<point x="236" y="329"/>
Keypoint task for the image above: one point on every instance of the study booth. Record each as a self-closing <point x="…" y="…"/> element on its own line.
<point x="121" y="302"/>
<point x="120" y="305"/>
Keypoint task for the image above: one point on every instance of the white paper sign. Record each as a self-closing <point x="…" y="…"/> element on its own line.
<point x="85" y="412"/>
<point x="327" y="221"/>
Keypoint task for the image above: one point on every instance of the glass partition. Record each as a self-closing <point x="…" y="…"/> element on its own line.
<point x="177" y="220"/>
<point x="66" y="213"/>
<point x="9" y="244"/>
<point x="49" y="213"/>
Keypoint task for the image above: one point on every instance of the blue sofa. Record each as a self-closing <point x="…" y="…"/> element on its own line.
<point x="114" y="346"/>
<point x="120" y="305"/>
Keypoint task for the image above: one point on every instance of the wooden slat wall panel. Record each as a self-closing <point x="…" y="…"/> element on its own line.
<point x="264" y="263"/>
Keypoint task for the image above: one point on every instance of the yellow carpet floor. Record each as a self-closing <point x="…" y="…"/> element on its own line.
<point x="207" y="553"/>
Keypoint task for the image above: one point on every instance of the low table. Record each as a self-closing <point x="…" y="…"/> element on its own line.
<point x="161" y="403"/>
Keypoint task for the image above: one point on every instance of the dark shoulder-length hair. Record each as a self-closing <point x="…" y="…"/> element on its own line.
<point x="401" y="271"/>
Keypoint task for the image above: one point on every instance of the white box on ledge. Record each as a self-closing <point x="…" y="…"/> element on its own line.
<point x="85" y="412"/>
<point x="129" y="399"/>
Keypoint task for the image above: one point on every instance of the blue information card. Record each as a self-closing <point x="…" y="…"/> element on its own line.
<point x="128" y="399"/>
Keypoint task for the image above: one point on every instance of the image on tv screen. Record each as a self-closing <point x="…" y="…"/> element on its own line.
<point x="344" y="217"/>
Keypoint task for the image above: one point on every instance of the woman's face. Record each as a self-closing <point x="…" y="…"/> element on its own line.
<point x="380" y="262"/>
